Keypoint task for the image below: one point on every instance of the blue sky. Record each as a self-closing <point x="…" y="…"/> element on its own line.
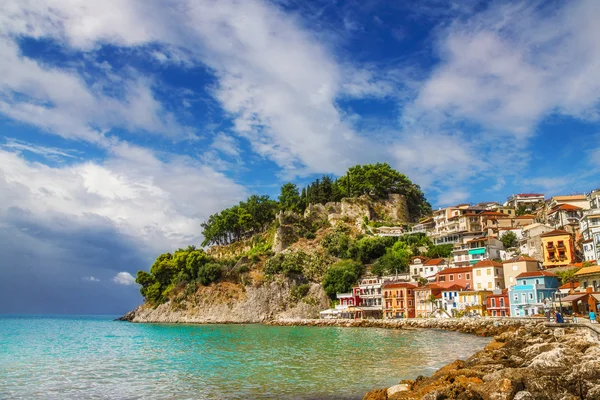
<point x="124" y="124"/>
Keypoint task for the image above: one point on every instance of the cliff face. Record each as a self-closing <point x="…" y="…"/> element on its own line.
<point x="230" y="303"/>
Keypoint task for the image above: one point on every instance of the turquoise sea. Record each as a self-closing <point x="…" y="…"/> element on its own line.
<point x="94" y="357"/>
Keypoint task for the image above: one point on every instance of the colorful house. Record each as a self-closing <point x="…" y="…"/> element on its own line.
<point x="426" y="299"/>
<point x="349" y="303"/>
<point x="449" y="299"/>
<point x="488" y="275"/>
<point x="371" y="297"/>
<point x="516" y="266"/>
<point x="425" y="268"/>
<point x="462" y="276"/>
<point x="533" y="293"/>
<point x="399" y="300"/>
<point x="473" y="301"/>
<point x="498" y="304"/>
<point x="589" y="277"/>
<point x="558" y="248"/>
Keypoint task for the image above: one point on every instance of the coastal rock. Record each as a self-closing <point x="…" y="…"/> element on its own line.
<point x="526" y="361"/>
<point x="398" y="388"/>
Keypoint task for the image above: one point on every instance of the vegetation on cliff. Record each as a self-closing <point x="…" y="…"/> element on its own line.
<point x="331" y="242"/>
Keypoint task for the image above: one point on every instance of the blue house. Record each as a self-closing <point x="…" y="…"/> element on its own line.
<point x="532" y="292"/>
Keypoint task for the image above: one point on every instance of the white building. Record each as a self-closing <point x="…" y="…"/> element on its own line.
<point x="424" y="268"/>
<point x="449" y="300"/>
<point x="488" y="275"/>
<point x="527" y="200"/>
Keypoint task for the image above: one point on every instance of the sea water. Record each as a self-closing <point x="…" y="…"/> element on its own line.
<point x="86" y="357"/>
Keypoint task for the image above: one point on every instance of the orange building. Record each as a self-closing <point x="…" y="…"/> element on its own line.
<point x="398" y="300"/>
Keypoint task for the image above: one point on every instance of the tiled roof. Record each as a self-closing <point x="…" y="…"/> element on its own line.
<point x="570" y="285"/>
<point x="525" y="216"/>
<point x="519" y="259"/>
<point x="588" y="270"/>
<point x="392" y="285"/>
<point x="580" y="264"/>
<point x="435" y="261"/>
<point x="556" y="232"/>
<point x="455" y="270"/>
<point x="454" y="287"/>
<point x="566" y="207"/>
<point x="487" y="263"/>
<point x="494" y="214"/>
<point x="535" y="273"/>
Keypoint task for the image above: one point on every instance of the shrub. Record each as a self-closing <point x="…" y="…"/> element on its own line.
<point x="342" y="276"/>
<point x="300" y="291"/>
<point x="310" y="235"/>
<point x="209" y="273"/>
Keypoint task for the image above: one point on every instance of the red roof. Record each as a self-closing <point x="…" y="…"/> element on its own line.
<point x="535" y="273"/>
<point x="392" y="285"/>
<point x="519" y="259"/>
<point x="570" y="285"/>
<point x="454" y="287"/>
<point x="487" y="263"/>
<point x="525" y="216"/>
<point x="504" y="293"/>
<point x="566" y="207"/>
<point x="494" y="214"/>
<point x="455" y="270"/>
<point x="435" y="261"/>
<point x="556" y="232"/>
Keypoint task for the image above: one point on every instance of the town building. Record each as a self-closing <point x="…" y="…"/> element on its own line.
<point x="498" y="304"/>
<point x="558" y="248"/>
<point x="589" y="226"/>
<point x="349" y="303"/>
<point x="589" y="250"/>
<point x="533" y="293"/>
<point x="529" y="201"/>
<point x="589" y="277"/>
<point x="516" y="266"/>
<point x="488" y="275"/>
<point x="424" y="226"/>
<point x="426" y="299"/>
<point x="566" y="217"/>
<point x="424" y="268"/>
<point x="371" y="297"/>
<point x="449" y="299"/>
<point x="462" y="276"/>
<point x="473" y="301"/>
<point x="398" y="300"/>
<point x="580" y="201"/>
<point x="531" y="243"/>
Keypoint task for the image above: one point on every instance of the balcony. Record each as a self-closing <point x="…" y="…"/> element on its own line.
<point x="550" y="245"/>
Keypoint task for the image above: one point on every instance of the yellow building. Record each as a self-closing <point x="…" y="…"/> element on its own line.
<point x="474" y="301"/>
<point x="557" y="248"/>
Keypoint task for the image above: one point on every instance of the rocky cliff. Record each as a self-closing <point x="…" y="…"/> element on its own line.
<point x="230" y="303"/>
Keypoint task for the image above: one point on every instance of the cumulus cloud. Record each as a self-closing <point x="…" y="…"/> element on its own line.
<point x="124" y="278"/>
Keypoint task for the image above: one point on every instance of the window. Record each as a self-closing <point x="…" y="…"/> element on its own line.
<point x="478" y="272"/>
<point x="489" y="271"/>
<point x="459" y="276"/>
<point x="489" y="285"/>
<point x="420" y="269"/>
<point x="468" y="276"/>
<point x="510" y="279"/>
<point x="478" y="285"/>
<point x="497" y="272"/>
<point x="452" y="277"/>
<point x="501" y="301"/>
<point x="537" y="281"/>
<point x="493" y="303"/>
<point x="410" y="302"/>
<point x="442" y="278"/>
<point x="515" y="268"/>
<point x="530" y="296"/>
<point x="516" y="297"/>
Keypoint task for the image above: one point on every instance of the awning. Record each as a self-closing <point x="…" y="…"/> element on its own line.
<point x="597" y="297"/>
<point x="574" y="297"/>
<point x="477" y="251"/>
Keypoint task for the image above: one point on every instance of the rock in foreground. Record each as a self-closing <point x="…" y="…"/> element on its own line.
<point x="528" y="362"/>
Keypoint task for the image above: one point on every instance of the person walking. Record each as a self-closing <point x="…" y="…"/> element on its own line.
<point x="592" y="316"/>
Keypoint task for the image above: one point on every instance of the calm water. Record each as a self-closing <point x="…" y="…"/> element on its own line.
<point x="94" y="357"/>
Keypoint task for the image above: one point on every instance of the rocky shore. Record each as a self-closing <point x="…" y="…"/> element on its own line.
<point x="524" y="361"/>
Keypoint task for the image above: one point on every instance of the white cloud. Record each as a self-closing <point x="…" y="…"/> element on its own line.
<point x="124" y="278"/>
<point x="48" y="152"/>
<point x="90" y="279"/>
<point x="226" y="145"/>
<point x="509" y="67"/>
<point x="160" y="203"/>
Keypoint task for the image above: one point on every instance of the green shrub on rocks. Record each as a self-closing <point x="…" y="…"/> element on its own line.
<point x="342" y="276"/>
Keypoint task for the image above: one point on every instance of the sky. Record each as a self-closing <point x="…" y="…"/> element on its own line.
<point x="124" y="124"/>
